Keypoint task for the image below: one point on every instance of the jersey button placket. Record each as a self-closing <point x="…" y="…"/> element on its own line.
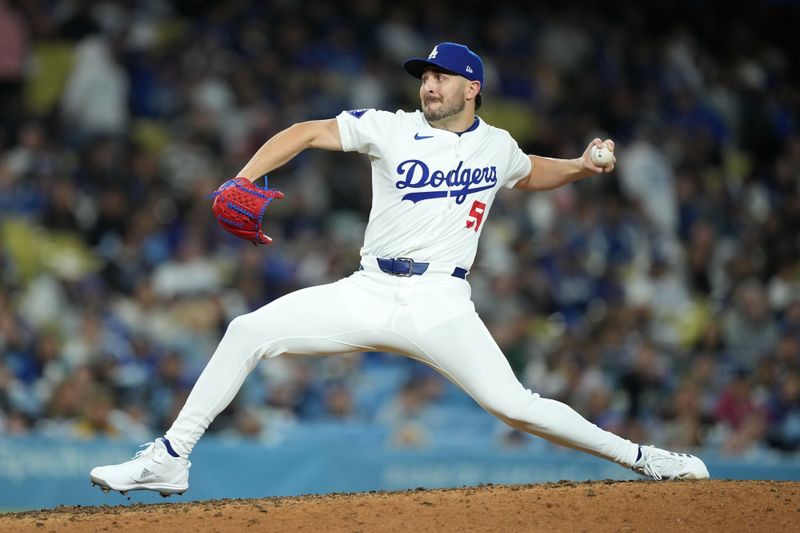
<point x="448" y="204"/>
<point x="457" y="153"/>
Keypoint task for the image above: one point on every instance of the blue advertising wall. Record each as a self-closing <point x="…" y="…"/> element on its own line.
<point x="38" y="473"/>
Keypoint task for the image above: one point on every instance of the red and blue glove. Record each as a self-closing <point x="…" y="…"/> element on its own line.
<point x="239" y="205"/>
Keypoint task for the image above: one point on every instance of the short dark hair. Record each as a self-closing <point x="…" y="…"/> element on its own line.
<point x="478" y="101"/>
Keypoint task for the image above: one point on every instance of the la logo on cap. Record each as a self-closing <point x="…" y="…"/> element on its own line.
<point x="434" y="52"/>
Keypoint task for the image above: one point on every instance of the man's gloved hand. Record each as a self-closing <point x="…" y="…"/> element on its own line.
<point x="239" y="206"/>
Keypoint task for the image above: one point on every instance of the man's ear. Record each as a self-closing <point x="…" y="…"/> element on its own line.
<point x="473" y="89"/>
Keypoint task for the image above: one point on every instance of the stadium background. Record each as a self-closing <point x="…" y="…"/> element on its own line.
<point x="662" y="301"/>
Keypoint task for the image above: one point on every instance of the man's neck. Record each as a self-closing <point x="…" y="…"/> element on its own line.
<point x="457" y="123"/>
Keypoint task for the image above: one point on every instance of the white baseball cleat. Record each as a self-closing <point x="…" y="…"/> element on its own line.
<point x="659" y="464"/>
<point x="150" y="469"/>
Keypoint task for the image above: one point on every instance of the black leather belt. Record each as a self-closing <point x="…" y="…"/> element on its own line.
<point x="407" y="267"/>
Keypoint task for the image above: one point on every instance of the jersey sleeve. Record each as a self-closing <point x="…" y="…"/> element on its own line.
<point x="519" y="166"/>
<point x="364" y="130"/>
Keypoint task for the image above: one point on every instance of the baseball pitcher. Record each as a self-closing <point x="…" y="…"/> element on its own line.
<point x="435" y="174"/>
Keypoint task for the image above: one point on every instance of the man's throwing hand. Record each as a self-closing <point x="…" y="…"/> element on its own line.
<point x="599" y="156"/>
<point x="239" y="206"/>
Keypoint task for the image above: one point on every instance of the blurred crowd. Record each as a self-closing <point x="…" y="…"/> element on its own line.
<point x="661" y="301"/>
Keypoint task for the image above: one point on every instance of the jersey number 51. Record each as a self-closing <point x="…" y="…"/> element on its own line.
<point x="476" y="215"/>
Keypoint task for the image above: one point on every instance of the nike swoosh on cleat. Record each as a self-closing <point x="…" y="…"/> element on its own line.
<point x="418" y="137"/>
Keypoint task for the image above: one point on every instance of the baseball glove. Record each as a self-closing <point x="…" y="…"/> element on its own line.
<point x="239" y="206"/>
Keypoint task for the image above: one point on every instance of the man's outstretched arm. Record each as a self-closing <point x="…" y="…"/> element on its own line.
<point x="550" y="173"/>
<point x="285" y="145"/>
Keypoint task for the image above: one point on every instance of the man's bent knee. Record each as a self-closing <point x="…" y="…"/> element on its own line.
<point x="515" y="407"/>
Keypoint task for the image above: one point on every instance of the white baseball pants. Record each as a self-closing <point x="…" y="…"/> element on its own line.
<point x="429" y="318"/>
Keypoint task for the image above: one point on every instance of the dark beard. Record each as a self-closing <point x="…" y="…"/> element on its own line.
<point x="445" y="111"/>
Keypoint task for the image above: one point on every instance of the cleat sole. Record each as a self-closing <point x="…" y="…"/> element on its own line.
<point x="164" y="489"/>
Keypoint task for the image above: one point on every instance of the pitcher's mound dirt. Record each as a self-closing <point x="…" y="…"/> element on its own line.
<point x="565" y="506"/>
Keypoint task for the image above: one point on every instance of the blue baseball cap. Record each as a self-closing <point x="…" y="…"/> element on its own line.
<point x="451" y="57"/>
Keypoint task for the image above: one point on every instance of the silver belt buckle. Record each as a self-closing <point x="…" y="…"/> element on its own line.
<point x="410" y="267"/>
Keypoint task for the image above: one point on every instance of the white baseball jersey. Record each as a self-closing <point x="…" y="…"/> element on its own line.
<point x="431" y="188"/>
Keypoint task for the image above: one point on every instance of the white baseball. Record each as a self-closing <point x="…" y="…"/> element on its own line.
<point x="601" y="156"/>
